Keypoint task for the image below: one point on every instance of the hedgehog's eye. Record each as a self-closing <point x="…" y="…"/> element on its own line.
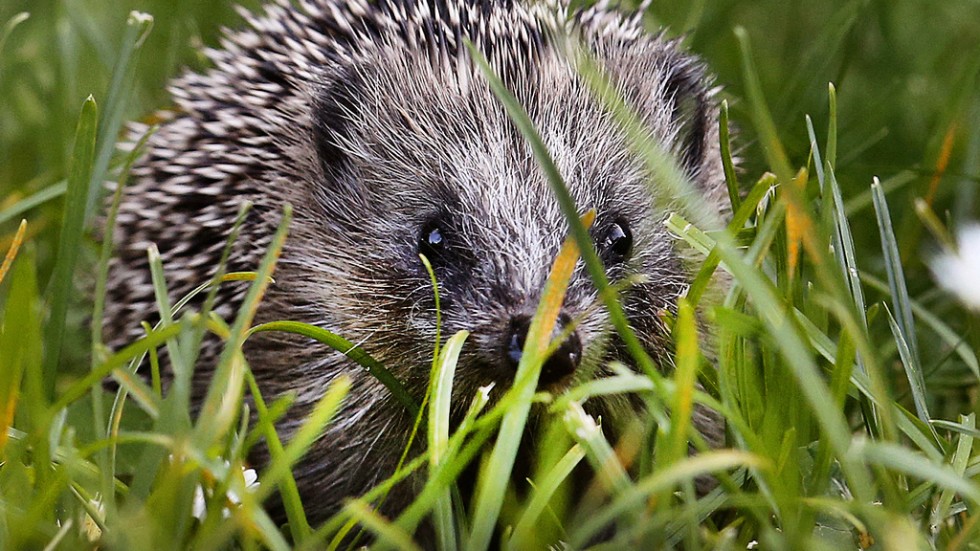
<point x="617" y="244"/>
<point x="432" y="243"/>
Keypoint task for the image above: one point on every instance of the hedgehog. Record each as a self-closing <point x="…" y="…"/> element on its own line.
<point x="372" y="120"/>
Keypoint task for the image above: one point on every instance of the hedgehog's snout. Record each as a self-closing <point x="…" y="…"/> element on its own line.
<point x="560" y="364"/>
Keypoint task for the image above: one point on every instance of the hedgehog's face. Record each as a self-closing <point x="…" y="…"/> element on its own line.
<point x="442" y="172"/>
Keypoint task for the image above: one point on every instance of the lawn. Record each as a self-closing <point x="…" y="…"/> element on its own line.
<point x="848" y="375"/>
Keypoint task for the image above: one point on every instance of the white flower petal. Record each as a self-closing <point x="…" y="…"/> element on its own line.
<point x="960" y="273"/>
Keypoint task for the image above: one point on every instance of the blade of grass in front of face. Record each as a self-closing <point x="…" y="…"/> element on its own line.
<point x="464" y="445"/>
<point x="578" y="230"/>
<point x="669" y="185"/>
<point x="69" y="242"/>
<point x="444" y="507"/>
<point x="524" y="531"/>
<point x="493" y="480"/>
<point x="626" y="382"/>
<point x="349" y="349"/>
<point x="606" y="462"/>
<point x="438" y="433"/>
<point x="612" y="476"/>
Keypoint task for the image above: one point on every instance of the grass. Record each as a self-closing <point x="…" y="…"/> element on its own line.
<point x="848" y="380"/>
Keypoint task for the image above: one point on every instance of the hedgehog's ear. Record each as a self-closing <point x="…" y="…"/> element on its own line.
<point x="335" y="107"/>
<point x="685" y="88"/>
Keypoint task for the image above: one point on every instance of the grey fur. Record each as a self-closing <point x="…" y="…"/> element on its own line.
<point x="370" y="118"/>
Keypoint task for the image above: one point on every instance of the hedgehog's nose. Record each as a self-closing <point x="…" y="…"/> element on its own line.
<point x="560" y="364"/>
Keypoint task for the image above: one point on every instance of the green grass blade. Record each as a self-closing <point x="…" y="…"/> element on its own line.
<point x="600" y="454"/>
<point x="438" y="433"/>
<point x="638" y="494"/>
<point x="523" y="534"/>
<point x="8" y="259"/>
<point x="938" y="326"/>
<point x="38" y="198"/>
<point x="913" y="370"/>
<point x="858" y="202"/>
<point x="464" y="445"/>
<point x="83" y="386"/>
<point x="278" y="473"/>
<point x="9" y="26"/>
<point x="832" y="126"/>
<point x="20" y="331"/>
<point x="493" y="480"/>
<point x="211" y="426"/>
<point x="349" y="349"/>
<point x="98" y="352"/>
<point x="904" y="460"/>
<point x="300" y="441"/>
<point x="896" y="274"/>
<point x="138" y="26"/>
<point x="959" y="461"/>
<point x="742" y="215"/>
<point x="731" y="179"/>
<point x="69" y="243"/>
<point x="180" y="390"/>
<point x="386" y="533"/>
<point x="686" y="362"/>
